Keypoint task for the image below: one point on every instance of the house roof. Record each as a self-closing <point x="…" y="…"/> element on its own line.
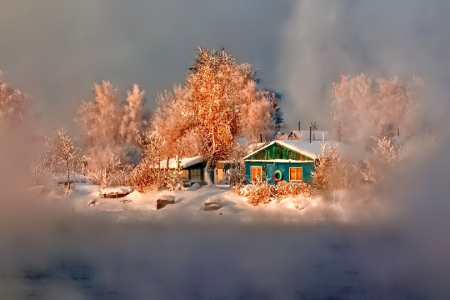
<point x="314" y="149"/>
<point x="185" y="162"/>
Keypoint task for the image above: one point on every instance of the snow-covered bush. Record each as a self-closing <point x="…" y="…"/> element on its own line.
<point x="106" y="166"/>
<point x="261" y="192"/>
<point x="145" y="177"/>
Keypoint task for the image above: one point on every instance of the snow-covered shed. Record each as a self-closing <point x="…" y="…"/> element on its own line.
<point x="291" y="160"/>
<point x="192" y="167"/>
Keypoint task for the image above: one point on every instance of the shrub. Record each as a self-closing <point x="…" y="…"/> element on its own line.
<point x="262" y="193"/>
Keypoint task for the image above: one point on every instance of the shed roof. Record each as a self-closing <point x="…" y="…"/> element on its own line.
<point x="314" y="149"/>
<point x="185" y="162"/>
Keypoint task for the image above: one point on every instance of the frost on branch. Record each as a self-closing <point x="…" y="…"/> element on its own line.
<point x="63" y="156"/>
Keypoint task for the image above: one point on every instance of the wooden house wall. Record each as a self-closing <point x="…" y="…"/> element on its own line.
<point x="308" y="167"/>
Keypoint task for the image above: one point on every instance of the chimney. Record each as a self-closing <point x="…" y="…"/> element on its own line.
<point x="260" y="137"/>
<point x="310" y="134"/>
<point x="298" y="125"/>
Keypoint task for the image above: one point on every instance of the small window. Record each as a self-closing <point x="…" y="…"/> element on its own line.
<point x="196" y="175"/>
<point x="295" y="174"/>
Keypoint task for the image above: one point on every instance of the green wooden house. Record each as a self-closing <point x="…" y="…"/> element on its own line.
<point x="289" y="160"/>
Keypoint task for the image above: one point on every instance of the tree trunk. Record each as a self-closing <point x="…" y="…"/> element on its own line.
<point x="208" y="180"/>
<point x="68" y="177"/>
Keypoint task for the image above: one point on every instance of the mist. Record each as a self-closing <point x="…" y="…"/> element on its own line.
<point x="324" y="40"/>
<point x="56" y="51"/>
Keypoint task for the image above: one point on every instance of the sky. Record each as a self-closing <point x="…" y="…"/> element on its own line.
<point x="56" y="50"/>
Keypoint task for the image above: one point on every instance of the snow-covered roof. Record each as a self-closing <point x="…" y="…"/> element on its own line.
<point x="317" y="135"/>
<point x="185" y="162"/>
<point x="314" y="149"/>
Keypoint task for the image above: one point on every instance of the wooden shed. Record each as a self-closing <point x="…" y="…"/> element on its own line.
<point x="192" y="167"/>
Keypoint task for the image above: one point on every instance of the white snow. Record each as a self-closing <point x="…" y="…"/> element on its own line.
<point x="189" y="206"/>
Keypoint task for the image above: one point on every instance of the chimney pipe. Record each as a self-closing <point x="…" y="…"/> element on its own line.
<point x="310" y="134"/>
<point x="298" y="125"/>
<point x="260" y="137"/>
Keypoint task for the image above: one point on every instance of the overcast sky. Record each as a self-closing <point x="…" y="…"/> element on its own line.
<point x="56" y="50"/>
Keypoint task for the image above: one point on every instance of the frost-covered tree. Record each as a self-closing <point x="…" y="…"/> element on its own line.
<point x="14" y="107"/>
<point x="110" y="133"/>
<point x="173" y="120"/>
<point x="362" y="106"/>
<point x="63" y="155"/>
<point x="133" y="118"/>
<point x="332" y="171"/>
<point x="213" y="101"/>
<point x="102" y="119"/>
<point x="384" y="157"/>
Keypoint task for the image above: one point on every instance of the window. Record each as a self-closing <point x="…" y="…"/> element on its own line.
<point x="256" y="173"/>
<point x="196" y="175"/>
<point x="295" y="174"/>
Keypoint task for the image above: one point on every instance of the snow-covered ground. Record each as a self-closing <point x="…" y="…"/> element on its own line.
<point x="189" y="206"/>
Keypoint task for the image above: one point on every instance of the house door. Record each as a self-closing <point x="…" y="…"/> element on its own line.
<point x="256" y="173"/>
<point x="270" y="171"/>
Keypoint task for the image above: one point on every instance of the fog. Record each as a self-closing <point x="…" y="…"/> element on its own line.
<point x="324" y="40"/>
<point x="55" y="51"/>
<point x="49" y="252"/>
